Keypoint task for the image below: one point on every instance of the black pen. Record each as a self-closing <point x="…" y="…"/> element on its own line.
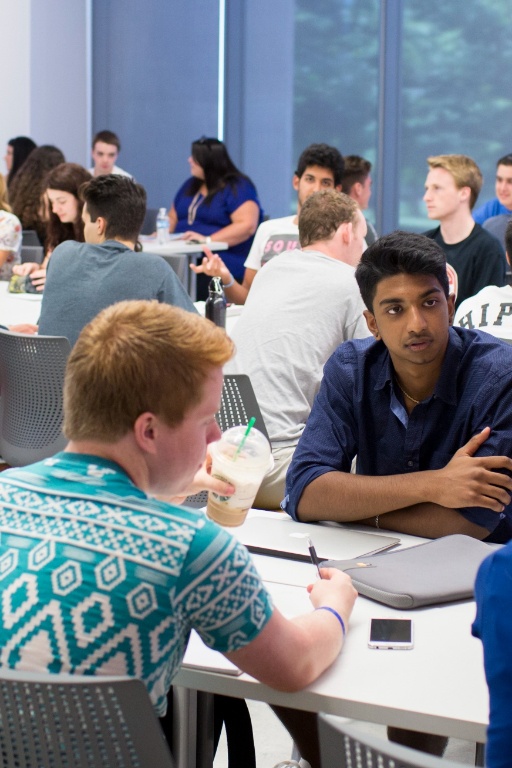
<point x="313" y="555"/>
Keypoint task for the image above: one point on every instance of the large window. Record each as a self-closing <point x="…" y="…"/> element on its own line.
<point x="456" y="95"/>
<point x="336" y="76"/>
<point x="453" y="86"/>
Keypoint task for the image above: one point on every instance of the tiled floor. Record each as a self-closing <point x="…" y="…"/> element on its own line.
<point x="273" y="743"/>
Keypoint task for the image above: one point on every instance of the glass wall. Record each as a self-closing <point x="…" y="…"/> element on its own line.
<point x="298" y="72"/>
<point x="336" y="76"/>
<point x="453" y="86"/>
<point x="456" y="95"/>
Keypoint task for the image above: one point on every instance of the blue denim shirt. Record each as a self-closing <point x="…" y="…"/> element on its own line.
<point x="359" y="411"/>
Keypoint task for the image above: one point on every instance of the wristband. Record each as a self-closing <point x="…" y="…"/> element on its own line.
<point x="231" y="282"/>
<point x="335" y="613"/>
<point x="208" y="240"/>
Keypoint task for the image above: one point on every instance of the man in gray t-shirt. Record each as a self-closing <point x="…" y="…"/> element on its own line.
<point x="84" y="278"/>
<point x="299" y="309"/>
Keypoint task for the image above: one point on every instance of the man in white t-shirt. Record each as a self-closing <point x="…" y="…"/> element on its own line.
<point x="320" y="167"/>
<point x="301" y="306"/>
<point x="105" y="150"/>
<point x="490" y="310"/>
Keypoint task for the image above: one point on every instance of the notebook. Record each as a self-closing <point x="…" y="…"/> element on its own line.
<point x="276" y="534"/>
<point x="200" y="656"/>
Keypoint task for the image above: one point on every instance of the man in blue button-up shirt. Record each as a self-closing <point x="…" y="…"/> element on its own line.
<point x="426" y="408"/>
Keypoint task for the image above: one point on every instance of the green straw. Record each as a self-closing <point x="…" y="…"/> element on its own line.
<point x="250" y="425"/>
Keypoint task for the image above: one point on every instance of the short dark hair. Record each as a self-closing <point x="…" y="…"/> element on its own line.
<point x="400" y="253"/>
<point x="357" y="169"/>
<point x="120" y="201"/>
<point x="508" y="238"/>
<point x="325" y="157"/>
<point x="107" y="137"/>
<point x="505" y="160"/>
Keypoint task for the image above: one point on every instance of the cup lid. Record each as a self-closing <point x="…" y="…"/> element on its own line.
<point x="255" y="447"/>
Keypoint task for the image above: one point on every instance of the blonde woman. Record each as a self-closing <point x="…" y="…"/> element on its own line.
<point x="10" y="235"/>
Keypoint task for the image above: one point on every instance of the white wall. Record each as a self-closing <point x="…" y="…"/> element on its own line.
<point x="15" y="68"/>
<point x="45" y="65"/>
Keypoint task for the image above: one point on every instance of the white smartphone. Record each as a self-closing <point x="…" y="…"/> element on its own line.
<point x="391" y="634"/>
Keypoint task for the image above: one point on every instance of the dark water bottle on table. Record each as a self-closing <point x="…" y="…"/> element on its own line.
<point x="215" y="307"/>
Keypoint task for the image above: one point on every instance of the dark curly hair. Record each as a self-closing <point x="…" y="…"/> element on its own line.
<point x="324" y="156"/>
<point x="26" y="192"/>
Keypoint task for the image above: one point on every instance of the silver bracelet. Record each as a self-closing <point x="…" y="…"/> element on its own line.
<point x="377" y="521"/>
<point x="208" y="240"/>
<point x="228" y="285"/>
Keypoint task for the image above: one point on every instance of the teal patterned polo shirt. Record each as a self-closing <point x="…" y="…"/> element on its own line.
<point x="98" y="578"/>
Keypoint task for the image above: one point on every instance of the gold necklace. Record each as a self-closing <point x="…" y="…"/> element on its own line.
<point x="407" y="395"/>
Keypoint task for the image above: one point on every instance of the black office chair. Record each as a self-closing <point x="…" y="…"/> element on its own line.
<point x="34" y="253"/>
<point x="237" y="406"/>
<point x="149" y="223"/>
<point x="76" y="721"/>
<point x="30" y="238"/>
<point x="343" y="745"/>
<point x="31" y="384"/>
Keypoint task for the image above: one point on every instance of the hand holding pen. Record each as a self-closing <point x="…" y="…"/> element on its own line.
<point x="314" y="557"/>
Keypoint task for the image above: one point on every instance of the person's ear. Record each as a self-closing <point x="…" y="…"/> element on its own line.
<point x="465" y="194"/>
<point x="357" y="191"/>
<point x="346" y="231"/>
<point x="371" y="323"/>
<point x="101" y="226"/>
<point x="451" y="307"/>
<point x="145" y="432"/>
<point x="295" y="182"/>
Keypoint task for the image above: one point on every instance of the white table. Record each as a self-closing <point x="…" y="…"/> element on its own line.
<point x="438" y="687"/>
<point x="18" y="308"/>
<point x="177" y="247"/>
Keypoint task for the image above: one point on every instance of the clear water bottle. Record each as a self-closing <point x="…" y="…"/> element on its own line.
<point x="162" y="227"/>
<point x="215" y="306"/>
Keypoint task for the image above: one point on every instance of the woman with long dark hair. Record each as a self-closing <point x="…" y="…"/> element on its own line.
<point x="65" y="218"/>
<point x="18" y="149"/>
<point x="26" y="193"/>
<point x="64" y="215"/>
<point x="218" y="202"/>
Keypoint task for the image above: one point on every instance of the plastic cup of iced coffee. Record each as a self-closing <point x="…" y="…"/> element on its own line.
<point x="242" y="458"/>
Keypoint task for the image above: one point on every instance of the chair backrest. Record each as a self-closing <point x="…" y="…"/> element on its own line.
<point x="149" y="223"/>
<point x="237" y="406"/>
<point x="58" y="721"/>
<point x="30" y="237"/>
<point x="33" y="253"/>
<point x="343" y="745"/>
<point x="179" y="263"/>
<point x="31" y="384"/>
